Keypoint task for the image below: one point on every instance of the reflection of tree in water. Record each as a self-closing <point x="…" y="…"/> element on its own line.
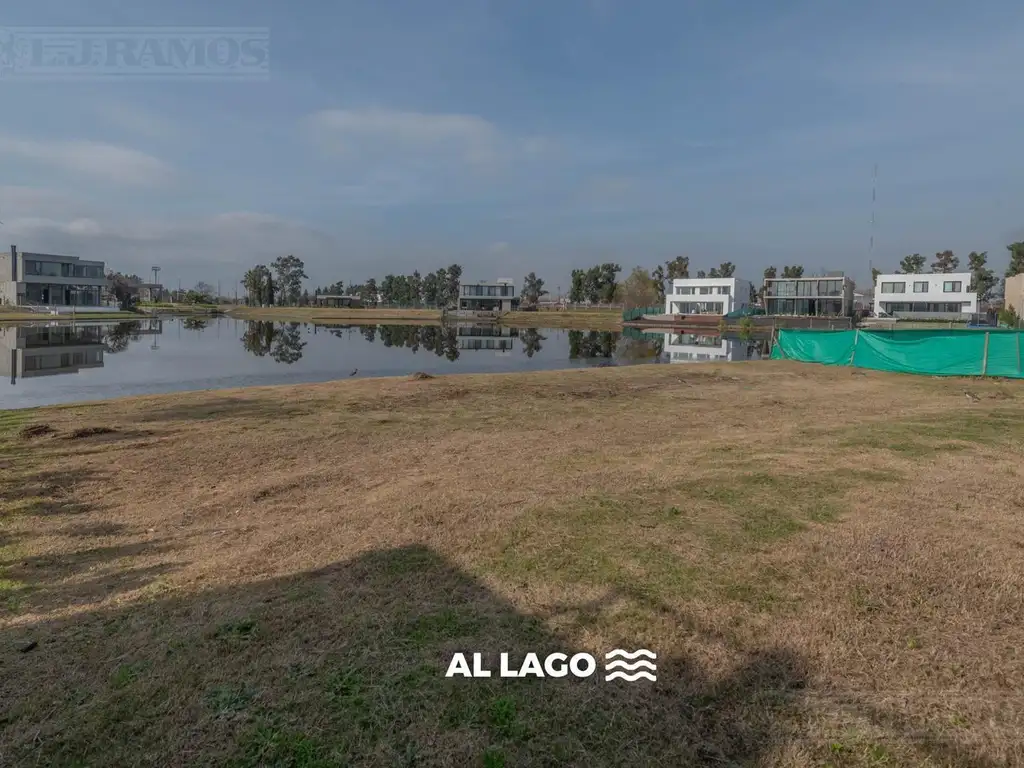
<point x="117" y="337"/>
<point x="282" y="342"/>
<point x="531" y="339"/>
<point x="288" y="344"/>
<point x="591" y="344"/>
<point x="442" y="341"/>
<point x="193" y="324"/>
<point x="633" y="349"/>
<point x="258" y="337"/>
<point x="369" y="332"/>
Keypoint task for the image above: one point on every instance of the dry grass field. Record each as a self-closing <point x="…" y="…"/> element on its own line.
<point x="828" y="563"/>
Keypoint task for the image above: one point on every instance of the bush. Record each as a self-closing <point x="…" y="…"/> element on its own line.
<point x="1008" y="316"/>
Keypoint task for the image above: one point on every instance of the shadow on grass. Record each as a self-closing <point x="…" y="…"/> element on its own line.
<point x="346" y="666"/>
<point x="225" y="407"/>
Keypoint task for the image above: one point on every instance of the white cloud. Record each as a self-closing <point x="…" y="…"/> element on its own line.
<point x="107" y="162"/>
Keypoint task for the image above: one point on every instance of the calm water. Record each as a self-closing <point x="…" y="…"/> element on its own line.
<point x="45" y="363"/>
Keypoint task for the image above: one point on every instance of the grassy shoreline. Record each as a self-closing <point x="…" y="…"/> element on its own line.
<point x="825" y="561"/>
<point x="583" y="319"/>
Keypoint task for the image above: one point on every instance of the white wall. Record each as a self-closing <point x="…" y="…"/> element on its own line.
<point x="679" y="292"/>
<point x="934" y="293"/>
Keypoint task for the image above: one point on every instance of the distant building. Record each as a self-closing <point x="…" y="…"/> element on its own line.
<point x="706" y="296"/>
<point x="939" y="296"/>
<point x="49" y="280"/>
<point x="336" y="300"/>
<point x="829" y="296"/>
<point x="1014" y="298"/>
<point x="498" y="296"/>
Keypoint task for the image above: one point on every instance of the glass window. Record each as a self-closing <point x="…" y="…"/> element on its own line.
<point x="724" y="290"/>
<point x="705" y="290"/>
<point x="894" y="287"/>
<point x="951" y="286"/>
<point x="921" y="287"/>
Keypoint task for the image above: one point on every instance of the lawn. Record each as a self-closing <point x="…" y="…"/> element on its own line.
<point x="827" y="563"/>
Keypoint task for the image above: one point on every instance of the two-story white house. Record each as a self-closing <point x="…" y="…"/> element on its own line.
<point x="706" y="296"/>
<point x="938" y="295"/>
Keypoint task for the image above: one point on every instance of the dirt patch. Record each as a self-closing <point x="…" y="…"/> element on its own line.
<point x="37" y="430"/>
<point x="83" y="432"/>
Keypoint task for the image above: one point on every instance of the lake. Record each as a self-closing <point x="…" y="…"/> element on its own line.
<point x="45" y="363"/>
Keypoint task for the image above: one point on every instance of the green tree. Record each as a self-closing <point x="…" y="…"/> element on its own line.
<point x="533" y="289"/>
<point x="416" y="288"/>
<point x="290" y="272"/>
<point x="1008" y="316"/>
<point x="793" y="273"/>
<point x="577" y="290"/>
<point x="912" y="264"/>
<point x="431" y="289"/>
<point x="451" y="283"/>
<point x="945" y="262"/>
<point x="983" y="279"/>
<point x="1016" y="265"/>
<point x="592" y="285"/>
<point x="875" y="272"/>
<point x="123" y="289"/>
<point x="658" y="275"/>
<point x="368" y="293"/>
<point x="608" y="274"/>
<point x="252" y="282"/>
<point x="701" y="274"/>
<point x="726" y="269"/>
<point x="770" y="273"/>
<point x="678" y="268"/>
<point x="442" y="287"/>
<point x="387" y="289"/>
<point x="269" y="290"/>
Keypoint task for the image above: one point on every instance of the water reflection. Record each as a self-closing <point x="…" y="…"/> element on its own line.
<point x="281" y="341"/>
<point x="205" y="353"/>
<point x="50" y="349"/>
<point x="695" y="347"/>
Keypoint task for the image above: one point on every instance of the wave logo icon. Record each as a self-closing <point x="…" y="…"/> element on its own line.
<point x="630" y="665"/>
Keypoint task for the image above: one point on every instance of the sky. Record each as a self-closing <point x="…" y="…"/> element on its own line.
<point x="529" y="135"/>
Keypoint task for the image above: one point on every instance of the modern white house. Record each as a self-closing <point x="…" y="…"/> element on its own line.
<point x="496" y="338"/>
<point x="939" y="296"/>
<point x="498" y="296"/>
<point x="50" y="280"/>
<point x="706" y="296"/>
<point x="695" y="348"/>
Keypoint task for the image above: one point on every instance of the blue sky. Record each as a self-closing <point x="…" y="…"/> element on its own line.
<point x="527" y="135"/>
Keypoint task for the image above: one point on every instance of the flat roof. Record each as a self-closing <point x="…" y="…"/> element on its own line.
<point x="57" y="257"/>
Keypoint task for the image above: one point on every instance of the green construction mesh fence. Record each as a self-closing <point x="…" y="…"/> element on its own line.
<point x="952" y="352"/>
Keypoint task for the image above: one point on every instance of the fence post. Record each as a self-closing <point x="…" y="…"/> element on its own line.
<point x="984" y="362"/>
<point x="853" y="354"/>
<point x="1018" y="352"/>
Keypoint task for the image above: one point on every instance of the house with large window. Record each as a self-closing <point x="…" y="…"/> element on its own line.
<point x="938" y="296"/>
<point x="696" y="348"/>
<point x="50" y="280"/>
<point x="498" y="296"/>
<point x="706" y="296"/>
<point x="827" y="296"/>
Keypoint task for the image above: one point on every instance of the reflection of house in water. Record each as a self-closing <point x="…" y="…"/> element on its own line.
<point x="495" y="338"/>
<point x="694" y="347"/>
<point x="47" y="350"/>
